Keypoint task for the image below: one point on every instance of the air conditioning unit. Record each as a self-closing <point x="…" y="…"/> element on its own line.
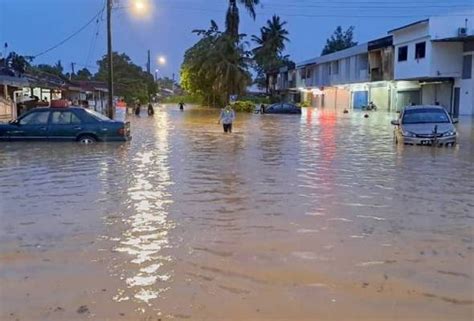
<point x="462" y="32"/>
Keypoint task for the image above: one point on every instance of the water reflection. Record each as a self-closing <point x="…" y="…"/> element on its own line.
<point x="147" y="235"/>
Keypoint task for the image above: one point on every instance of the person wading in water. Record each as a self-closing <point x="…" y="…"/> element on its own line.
<point x="227" y="117"/>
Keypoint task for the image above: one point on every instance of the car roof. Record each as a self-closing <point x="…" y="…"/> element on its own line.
<point x="59" y="108"/>
<point x="424" y="107"/>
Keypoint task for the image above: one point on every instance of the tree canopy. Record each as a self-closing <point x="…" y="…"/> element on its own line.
<point x="339" y="40"/>
<point x="271" y="43"/>
<point x="216" y="66"/>
<point x="131" y="81"/>
<point x="232" y="20"/>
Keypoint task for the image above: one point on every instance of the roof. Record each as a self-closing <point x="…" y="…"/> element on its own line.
<point x="424" y="106"/>
<point x="409" y="25"/>
<point x="455" y="39"/>
<point x="349" y="52"/>
<point x="380" y="43"/>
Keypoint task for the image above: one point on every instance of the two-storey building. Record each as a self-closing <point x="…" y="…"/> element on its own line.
<point x="433" y="63"/>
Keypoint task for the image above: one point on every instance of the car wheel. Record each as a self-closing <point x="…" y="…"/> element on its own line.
<point x="87" y="140"/>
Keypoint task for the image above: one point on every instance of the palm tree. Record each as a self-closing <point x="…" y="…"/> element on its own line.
<point x="268" y="54"/>
<point x="273" y="36"/>
<point x="233" y="19"/>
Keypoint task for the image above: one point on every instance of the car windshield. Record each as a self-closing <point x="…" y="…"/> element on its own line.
<point x="97" y="115"/>
<point x="425" y="116"/>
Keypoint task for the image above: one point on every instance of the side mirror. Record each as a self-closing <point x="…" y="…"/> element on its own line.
<point x="455" y="120"/>
<point x="395" y="123"/>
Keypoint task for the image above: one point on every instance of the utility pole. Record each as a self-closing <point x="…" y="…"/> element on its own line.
<point x="72" y="70"/>
<point x="110" y="106"/>
<point x="148" y="64"/>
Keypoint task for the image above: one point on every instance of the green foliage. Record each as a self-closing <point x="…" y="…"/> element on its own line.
<point x="268" y="55"/>
<point x="244" y="106"/>
<point x="57" y="69"/>
<point x="340" y="40"/>
<point x="82" y="74"/>
<point x="130" y="80"/>
<point x="165" y="82"/>
<point x="257" y="100"/>
<point x="17" y="62"/>
<point x="215" y="67"/>
<point x="232" y="20"/>
<point x="305" y="103"/>
<point x="187" y="99"/>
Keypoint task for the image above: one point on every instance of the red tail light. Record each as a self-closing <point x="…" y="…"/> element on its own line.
<point x="121" y="131"/>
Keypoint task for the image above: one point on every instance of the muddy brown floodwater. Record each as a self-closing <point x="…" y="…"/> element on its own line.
<point x="311" y="217"/>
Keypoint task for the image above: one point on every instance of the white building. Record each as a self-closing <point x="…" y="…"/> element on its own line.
<point x="434" y="61"/>
<point x="336" y="80"/>
<point x="426" y="62"/>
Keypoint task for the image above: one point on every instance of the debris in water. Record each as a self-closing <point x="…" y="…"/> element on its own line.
<point x="83" y="309"/>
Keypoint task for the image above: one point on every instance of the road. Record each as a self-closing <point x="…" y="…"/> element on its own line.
<point x="311" y="217"/>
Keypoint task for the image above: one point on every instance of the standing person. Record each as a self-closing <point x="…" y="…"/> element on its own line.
<point x="137" y="109"/>
<point x="227" y="117"/>
<point x="181" y="106"/>
<point x="151" y="110"/>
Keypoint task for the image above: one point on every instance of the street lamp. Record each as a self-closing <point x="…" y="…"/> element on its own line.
<point x="161" y="60"/>
<point x="140" y="8"/>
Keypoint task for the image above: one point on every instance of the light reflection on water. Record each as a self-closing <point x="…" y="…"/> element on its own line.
<point x="148" y="224"/>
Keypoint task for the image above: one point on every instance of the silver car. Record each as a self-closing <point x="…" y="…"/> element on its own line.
<point x="425" y="125"/>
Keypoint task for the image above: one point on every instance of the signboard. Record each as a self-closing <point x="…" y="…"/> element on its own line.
<point x="120" y="110"/>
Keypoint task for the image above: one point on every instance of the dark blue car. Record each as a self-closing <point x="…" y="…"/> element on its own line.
<point x="282" y="108"/>
<point x="65" y="124"/>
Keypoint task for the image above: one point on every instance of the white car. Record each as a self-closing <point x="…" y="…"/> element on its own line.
<point x="425" y="125"/>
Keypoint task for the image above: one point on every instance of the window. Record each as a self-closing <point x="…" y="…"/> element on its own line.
<point x="424" y="116"/>
<point x="467" y="67"/>
<point x="96" y="115"/>
<point x="420" y="50"/>
<point x="64" y="118"/>
<point x="35" y="118"/>
<point x="403" y="53"/>
<point x="335" y="67"/>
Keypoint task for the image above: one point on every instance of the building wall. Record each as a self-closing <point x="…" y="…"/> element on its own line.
<point x="466" y="105"/>
<point x="446" y="60"/>
<point x="413" y="68"/>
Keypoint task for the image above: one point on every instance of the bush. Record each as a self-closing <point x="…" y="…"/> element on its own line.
<point x="244" y="106"/>
<point x="187" y="99"/>
<point x="257" y="100"/>
<point x="305" y="104"/>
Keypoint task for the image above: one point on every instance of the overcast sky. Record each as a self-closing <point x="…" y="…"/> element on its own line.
<point x="31" y="26"/>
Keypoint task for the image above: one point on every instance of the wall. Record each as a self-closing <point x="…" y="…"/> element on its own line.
<point x="446" y="59"/>
<point x="466" y="105"/>
<point x="413" y="68"/>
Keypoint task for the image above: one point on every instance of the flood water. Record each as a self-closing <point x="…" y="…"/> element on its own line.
<point x="311" y="217"/>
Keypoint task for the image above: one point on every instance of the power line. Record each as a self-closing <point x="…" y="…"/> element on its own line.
<point x="94" y="37"/>
<point x="71" y="36"/>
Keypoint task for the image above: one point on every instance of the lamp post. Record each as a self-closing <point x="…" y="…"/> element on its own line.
<point x="110" y="106"/>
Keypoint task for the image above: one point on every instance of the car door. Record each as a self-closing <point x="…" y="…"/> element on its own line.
<point x="64" y="125"/>
<point x="32" y="126"/>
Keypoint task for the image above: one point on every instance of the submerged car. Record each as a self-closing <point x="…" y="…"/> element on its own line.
<point x="65" y="124"/>
<point x="282" y="108"/>
<point x="425" y="125"/>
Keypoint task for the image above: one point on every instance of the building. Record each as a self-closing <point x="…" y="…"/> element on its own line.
<point x="426" y="62"/>
<point x="433" y="63"/>
<point x="337" y="80"/>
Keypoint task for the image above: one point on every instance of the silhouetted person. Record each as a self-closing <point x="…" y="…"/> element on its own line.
<point x="151" y="111"/>
<point x="181" y="106"/>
